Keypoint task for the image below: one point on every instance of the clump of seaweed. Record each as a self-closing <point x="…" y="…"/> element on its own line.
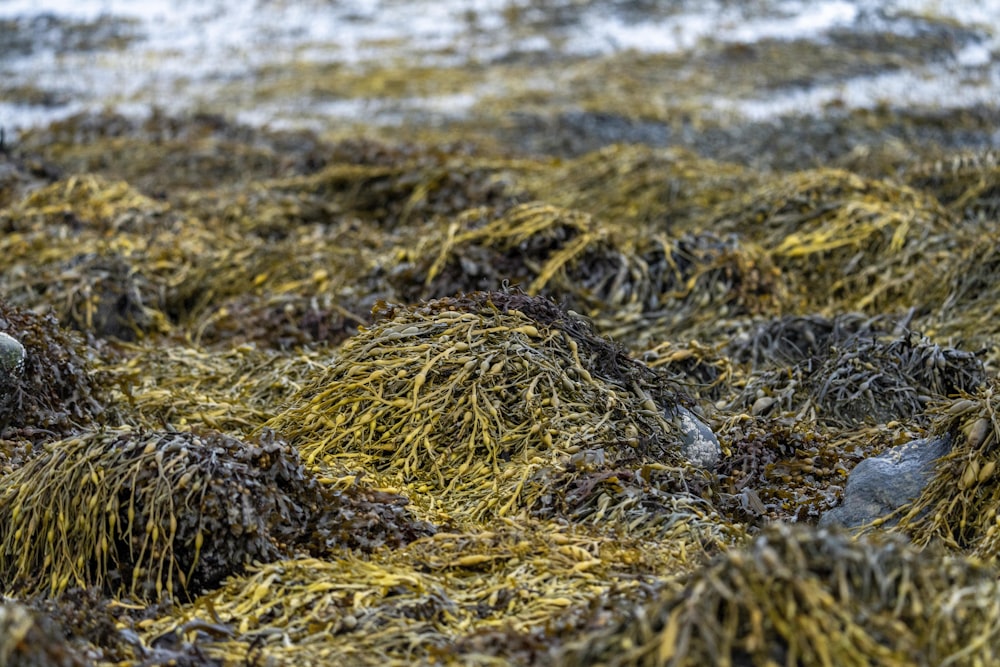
<point x="856" y="243"/>
<point x="702" y="370"/>
<point x="866" y="380"/>
<point x="798" y="595"/>
<point x="478" y="398"/>
<point x="639" y="186"/>
<point x="632" y="284"/>
<point x="971" y="297"/>
<point x="412" y="187"/>
<point x="961" y="502"/>
<point x="81" y="202"/>
<point x="57" y="391"/>
<point x="30" y="639"/>
<point x="791" y="471"/>
<point x="791" y="339"/>
<point x="281" y="321"/>
<point x="965" y="182"/>
<point x="168" y="513"/>
<point x="421" y="602"/>
<point x="231" y="390"/>
<point x="166" y="155"/>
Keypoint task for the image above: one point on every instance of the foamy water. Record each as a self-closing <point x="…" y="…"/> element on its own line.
<point x="189" y="55"/>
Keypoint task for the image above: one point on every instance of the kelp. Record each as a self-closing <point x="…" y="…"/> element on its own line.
<point x="478" y="399"/>
<point x="778" y="470"/>
<point x="964" y="181"/>
<point x="635" y="286"/>
<point x="483" y="478"/>
<point x="961" y="502"/>
<point x="165" y="514"/>
<point x="58" y="389"/>
<point x="428" y="600"/>
<point x="850" y="242"/>
<point x="798" y="595"/>
<point x="867" y="379"/>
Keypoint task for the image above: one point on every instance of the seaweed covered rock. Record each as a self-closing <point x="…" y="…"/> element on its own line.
<point x="57" y="390"/>
<point x="792" y="470"/>
<point x="960" y="504"/>
<point x="635" y="284"/>
<point x="29" y="639"/>
<point x="168" y="513"/>
<point x="865" y="380"/>
<point x="480" y="399"/>
<point x="800" y="595"/>
<point x="856" y="243"/>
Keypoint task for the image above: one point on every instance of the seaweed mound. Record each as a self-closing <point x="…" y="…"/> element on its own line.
<point x="859" y="243"/>
<point x="56" y="391"/>
<point x="866" y="380"/>
<point x="29" y="639"/>
<point x="480" y="399"/>
<point x="798" y="595"/>
<point x="168" y="513"/>
<point x="635" y="283"/>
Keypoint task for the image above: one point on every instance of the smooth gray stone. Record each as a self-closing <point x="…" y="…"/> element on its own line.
<point x="12" y="356"/>
<point x="880" y="484"/>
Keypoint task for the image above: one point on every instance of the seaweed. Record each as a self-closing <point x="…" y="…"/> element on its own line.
<point x="476" y="398"/>
<point x="798" y="595"/>
<point x="170" y="513"/>
<point x="850" y="242"/>
<point x="635" y="287"/>
<point x="960" y="503"/>
<point x="866" y="379"/>
<point x="58" y="390"/>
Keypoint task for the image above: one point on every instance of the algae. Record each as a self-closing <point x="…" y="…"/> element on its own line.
<point x="477" y="364"/>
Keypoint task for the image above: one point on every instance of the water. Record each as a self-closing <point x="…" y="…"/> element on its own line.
<point x="59" y="58"/>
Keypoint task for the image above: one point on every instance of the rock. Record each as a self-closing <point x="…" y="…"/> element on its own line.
<point x="11" y="356"/>
<point x="11" y="368"/>
<point x="880" y="484"/>
<point x="700" y="445"/>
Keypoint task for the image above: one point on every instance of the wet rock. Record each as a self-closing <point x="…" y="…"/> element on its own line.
<point x="11" y="368"/>
<point x="880" y="484"/>
<point x="700" y="445"/>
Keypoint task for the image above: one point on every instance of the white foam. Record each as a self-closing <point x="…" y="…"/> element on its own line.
<point x="194" y="53"/>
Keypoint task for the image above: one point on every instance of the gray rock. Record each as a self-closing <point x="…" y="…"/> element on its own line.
<point x="880" y="484"/>
<point x="700" y="445"/>
<point x="12" y="357"/>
